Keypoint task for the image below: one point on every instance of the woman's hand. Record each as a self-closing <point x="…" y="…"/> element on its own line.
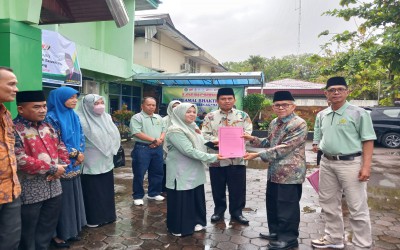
<point x="220" y="157"/>
<point x="250" y="156"/>
<point x="80" y="157"/>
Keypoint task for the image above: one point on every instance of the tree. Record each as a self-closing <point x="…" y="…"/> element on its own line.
<point x="301" y="67"/>
<point x="256" y="63"/>
<point x="370" y="55"/>
<point x="254" y="103"/>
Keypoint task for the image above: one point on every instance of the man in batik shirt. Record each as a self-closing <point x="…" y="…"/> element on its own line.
<point x="285" y="154"/>
<point x="41" y="159"/>
<point x="10" y="189"/>
<point x="229" y="172"/>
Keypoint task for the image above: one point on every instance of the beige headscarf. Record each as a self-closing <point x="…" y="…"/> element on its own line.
<point x="100" y="130"/>
<point x="179" y="125"/>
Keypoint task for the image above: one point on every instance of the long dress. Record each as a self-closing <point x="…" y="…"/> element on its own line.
<point x="64" y="120"/>
<point x="102" y="143"/>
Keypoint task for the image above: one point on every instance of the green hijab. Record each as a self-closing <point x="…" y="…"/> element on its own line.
<point x="179" y="125"/>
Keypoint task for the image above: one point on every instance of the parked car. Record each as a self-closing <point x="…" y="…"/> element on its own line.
<point x="386" y="121"/>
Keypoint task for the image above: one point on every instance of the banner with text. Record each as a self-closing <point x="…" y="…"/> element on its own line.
<point x="59" y="60"/>
<point x="204" y="98"/>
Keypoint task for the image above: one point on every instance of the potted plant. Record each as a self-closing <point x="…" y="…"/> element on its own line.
<point x="122" y="118"/>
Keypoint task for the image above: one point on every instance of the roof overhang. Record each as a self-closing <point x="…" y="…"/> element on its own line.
<point x="76" y="11"/>
<point x="167" y="28"/>
<point x="233" y="79"/>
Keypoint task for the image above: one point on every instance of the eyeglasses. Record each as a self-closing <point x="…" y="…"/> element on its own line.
<point x="339" y="90"/>
<point x="283" y="105"/>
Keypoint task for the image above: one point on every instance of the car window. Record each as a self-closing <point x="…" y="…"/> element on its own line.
<point x="394" y="113"/>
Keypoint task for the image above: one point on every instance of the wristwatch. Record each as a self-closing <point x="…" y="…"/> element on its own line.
<point x="154" y="141"/>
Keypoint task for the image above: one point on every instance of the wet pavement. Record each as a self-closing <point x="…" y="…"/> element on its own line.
<point x="144" y="227"/>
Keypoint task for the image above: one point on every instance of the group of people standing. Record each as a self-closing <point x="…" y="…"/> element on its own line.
<point x="63" y="162"/>
<point x="56" y="173"/>
<point x="343" y="133"/>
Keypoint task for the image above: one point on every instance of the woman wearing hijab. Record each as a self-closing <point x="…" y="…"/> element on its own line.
<point x="61" y="115"/>
<point x="167" y="118"/>
<point x="102" y="143"/>
<point x="167" y="124"/>
<point x="186" y="206"/>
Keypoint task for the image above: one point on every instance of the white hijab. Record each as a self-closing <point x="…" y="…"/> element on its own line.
<point x="169" y="112"/>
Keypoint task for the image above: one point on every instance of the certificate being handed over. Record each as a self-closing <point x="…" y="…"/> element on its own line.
<point x="231" y="143"/>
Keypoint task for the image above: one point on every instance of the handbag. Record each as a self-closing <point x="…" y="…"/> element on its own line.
<point x="119" y="158"/>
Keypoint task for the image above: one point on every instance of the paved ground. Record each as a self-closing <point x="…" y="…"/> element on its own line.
<point x="144" y="227"/>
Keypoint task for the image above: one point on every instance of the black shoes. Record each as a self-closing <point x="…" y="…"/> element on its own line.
<point x="269" y="236"/>
<point x="241" y="219"/>
<point x="216" y="217"/>
<point x="281" y="245"/>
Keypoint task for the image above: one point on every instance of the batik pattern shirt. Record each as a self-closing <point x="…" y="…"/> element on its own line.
<point x="38" y="150"/>
<point x="10" y="187"/>
<point x="219" y="118"/>
<point x="285" y="151"/>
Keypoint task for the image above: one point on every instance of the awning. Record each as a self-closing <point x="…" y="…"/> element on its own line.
<point x="202" y="79"/>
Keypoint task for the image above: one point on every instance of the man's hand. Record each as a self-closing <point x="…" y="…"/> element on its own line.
<point x="60" y="171"/>
<point x="157" y="143"/>
<point x="250" y="156"/>
<point x="248" y="137"/>
<point x="365" y="173"/>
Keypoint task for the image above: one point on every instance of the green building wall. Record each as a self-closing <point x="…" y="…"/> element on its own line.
<point x="101" y="46"/>
<point x="21" y="49"/>
<point x="105" y="52"/>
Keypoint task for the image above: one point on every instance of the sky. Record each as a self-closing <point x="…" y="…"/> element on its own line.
<point x="235" y="29"/>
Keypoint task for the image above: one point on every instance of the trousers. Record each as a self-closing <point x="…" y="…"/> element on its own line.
<point x="39" y="221"/>
<point x="10" y="225"/>
<point x="146" y="159"/>
<point x="335" y="178"/>
<point x="234" y="177"/>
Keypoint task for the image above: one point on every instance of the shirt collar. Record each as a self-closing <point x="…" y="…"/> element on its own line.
<point x="341" y="110"/>
<point x="26" y="122"/>
<point x="146" y="115"/>
<point x="223" y="112"/>
<point x="286" y="119"/>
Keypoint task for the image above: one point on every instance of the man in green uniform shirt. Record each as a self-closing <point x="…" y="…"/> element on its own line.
<point x="149" y="131"/>
<point x="346" y="137"/>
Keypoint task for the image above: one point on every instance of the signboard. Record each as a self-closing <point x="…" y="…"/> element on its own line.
<point x="59" y="60"/>
<point x="205" y="98"/>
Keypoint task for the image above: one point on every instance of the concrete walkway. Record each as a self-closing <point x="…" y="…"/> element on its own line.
<point x="144" y="227"/>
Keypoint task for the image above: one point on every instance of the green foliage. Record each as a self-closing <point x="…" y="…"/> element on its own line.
<point x="265" y="124"/>
<point x="122" y="117"/>
<point x="368" y="57"/>
<point x="254" y="103"/>
<point x="301" y="67"/>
